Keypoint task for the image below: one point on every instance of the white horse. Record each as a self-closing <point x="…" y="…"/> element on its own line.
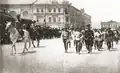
<point x="14" y="36"/>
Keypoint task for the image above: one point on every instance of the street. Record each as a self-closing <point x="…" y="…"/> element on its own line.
<point x="50" y="58"/>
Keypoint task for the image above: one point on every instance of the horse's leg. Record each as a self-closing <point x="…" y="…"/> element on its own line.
<point x="24" y="47"/>
<point x="38" y="42"/>
<point x="14" y="48"/>
<point x="29" y="43"/>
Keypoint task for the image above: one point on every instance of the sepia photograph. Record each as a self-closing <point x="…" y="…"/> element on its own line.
<point x="59" y="36"/>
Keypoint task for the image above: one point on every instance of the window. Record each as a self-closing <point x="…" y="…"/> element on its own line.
<point x="66" y="11"/>
<point x="37" y="9"/>
<point x="54" y="19"/>
<point x="59" y="10"/>
<point x="59" y="19"/>
<point x="67" y="19"/>
<point x="49" y="19"/>
<point x="41" y="10"/>
<point x="38" y="18"/>
<point x="54" y="10"/>
<point x="49" y="10"/>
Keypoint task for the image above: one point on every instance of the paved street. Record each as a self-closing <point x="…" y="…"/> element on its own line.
<point x="50" y="58"/>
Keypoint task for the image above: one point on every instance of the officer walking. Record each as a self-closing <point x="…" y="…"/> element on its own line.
<point x="65" y="37"/>
<point x="89" y="36"/>
<point x="78" y="40"/>
<point x="109" y="38"/>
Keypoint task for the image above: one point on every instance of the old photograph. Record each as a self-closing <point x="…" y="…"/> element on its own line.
<point x="59" y="36"/>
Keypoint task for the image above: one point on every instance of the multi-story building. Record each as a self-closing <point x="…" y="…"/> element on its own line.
<point x="54" y="14"/>
<point x="110" y="24"/>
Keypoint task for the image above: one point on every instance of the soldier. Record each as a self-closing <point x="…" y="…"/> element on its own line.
<point x="89" y="36"/>
<point x="96" y="39"/>
<point x="78" y="40"/>
<point x="65" y="37"/>
<point x="109" y="38"/>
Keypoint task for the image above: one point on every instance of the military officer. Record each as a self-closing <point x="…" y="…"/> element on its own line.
<point x="78" y="40"/>
<point x="109" y="38"/>
<point x="65" y="37"/>
<point x="89" y="36"/>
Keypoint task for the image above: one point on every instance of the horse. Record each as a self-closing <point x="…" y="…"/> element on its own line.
<point x="34" y="35"/>
<point x="15" y="35"/>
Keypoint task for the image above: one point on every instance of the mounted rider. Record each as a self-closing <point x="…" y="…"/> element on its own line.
<point x="18" y="25"/>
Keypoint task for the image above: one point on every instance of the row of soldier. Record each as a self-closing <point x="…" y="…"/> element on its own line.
<point x="90" y="38"/>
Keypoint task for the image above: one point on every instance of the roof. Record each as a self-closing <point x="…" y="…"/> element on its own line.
<point x="26" y="1"/>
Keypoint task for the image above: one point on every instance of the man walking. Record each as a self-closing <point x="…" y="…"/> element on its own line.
<point x="78" y="40"/>
<point x="89" y="36"/>
<point x="65" y="37"/>
<point x="109" y="38"/>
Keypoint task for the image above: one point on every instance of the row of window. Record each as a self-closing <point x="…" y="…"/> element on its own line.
<point x="49" y="10"/>
<point x="59" y="19"/>
<point x="54" y="19"/>
<point x="115" y="25"/>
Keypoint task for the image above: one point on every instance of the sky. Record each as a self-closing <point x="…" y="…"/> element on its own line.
<point x="100" y="10"/>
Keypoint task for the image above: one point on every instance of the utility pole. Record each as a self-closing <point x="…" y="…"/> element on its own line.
<point x="45" y="16"/>
<point x="31" y="7"/>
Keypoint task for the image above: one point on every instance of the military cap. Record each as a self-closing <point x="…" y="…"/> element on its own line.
<point x="88" y="25"/>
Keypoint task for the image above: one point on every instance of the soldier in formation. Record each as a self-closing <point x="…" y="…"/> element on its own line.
<point x="78" y="40"/>
<point x="65" y="37"/>
<point x="89" y="36"/>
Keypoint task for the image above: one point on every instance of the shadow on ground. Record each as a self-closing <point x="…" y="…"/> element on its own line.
<point x="114" y="49"/>
<point x="42" y="46"/>
<point x="28" y="52"/>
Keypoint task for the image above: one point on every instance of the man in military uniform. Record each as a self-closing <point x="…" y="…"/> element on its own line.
<point x="89" y="36"/>
<point x="78" y="40"/>
<point x="65" y="37"/>
<point x="109" y="38"/>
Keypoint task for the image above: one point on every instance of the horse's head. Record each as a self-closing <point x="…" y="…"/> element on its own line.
<point x="8" y="24"/>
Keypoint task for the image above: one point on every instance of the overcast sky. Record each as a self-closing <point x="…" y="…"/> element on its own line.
<point x="100" y="10"/>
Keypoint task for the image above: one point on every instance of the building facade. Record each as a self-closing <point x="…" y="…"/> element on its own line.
<point x="53" y="14"/>
<point x="110" y="24"/>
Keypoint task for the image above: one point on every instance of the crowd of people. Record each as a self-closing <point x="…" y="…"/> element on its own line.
<point x="79" y="37"/>
<point x="90" y="37"/>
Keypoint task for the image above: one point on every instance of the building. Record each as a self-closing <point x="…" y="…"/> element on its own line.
<point x="53" y="14"/>
<point x="110" y="24"/>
